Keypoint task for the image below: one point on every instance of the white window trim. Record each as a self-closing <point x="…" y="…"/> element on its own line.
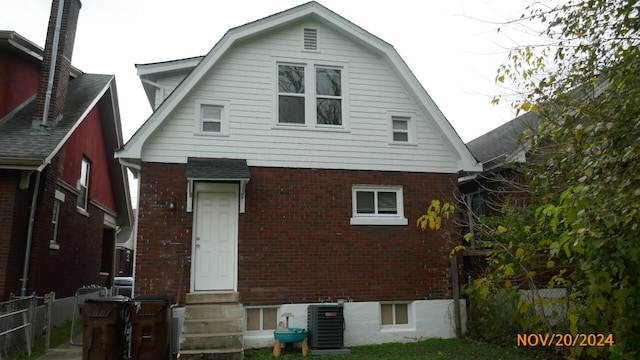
<point x="260" y="332"/>
<point x="378" y="219"/>
<point x="86" y="178"/>
<point x="310" y="96"/>
<point x="55" y="220"/>
<point x="224" y="125"/>
<point x="394" y="327"/>
<point x="411" y="127"/>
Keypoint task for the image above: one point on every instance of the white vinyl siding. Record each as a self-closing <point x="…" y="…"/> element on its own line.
<point x="166" y="85"/>
<point x="246" y="77"/>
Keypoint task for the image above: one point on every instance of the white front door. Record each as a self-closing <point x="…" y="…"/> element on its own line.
<point x="215" y="237"/>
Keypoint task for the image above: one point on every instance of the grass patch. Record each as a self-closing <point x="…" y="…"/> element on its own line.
<point x="59" y="336"/>
<point x="431" y="349"/>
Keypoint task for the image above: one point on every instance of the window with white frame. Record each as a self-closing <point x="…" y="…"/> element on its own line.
<point x="54" y="221"/>
<point x="377" y="205"/>
<point x="402" y="128"/>
<point x="261" y="318"/>
<point x="328" y="96"/>
<point x="310" y="95"/>
<point x="213" y="117"/>
<point x="394" y="314"/>
<point x="83" y="184"/>
<point x="291" y="94"/>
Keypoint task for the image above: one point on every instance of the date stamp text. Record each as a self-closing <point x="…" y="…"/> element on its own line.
<point x="564" y="340"/>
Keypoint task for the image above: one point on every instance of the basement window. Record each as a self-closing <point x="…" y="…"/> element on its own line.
<point x="261" y="318"/>
<point x="394" y="314"/>
<point x="377" y="205"/>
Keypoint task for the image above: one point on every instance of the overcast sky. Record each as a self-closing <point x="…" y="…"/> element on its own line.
<point x="451" y="46"/>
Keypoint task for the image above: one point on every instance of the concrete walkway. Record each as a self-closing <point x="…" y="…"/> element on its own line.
<point x="64" y="352"/>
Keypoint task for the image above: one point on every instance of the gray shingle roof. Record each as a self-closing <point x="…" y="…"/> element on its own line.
<point x="207" y="168"/>
<point x="503" y="140"/>
<point x="18" y="140"/>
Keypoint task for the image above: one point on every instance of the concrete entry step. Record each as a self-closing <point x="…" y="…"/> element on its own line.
<point x="213" y="298"/>
<point x="212" y="327"/>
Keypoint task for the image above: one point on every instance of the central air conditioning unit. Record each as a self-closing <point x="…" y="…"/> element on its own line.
<point x="326" y="329"/>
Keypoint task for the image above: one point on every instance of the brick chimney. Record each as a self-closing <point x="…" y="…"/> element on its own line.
<point x="58" y="49"/>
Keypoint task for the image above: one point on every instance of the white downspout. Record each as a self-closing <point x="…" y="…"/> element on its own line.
<point x="52" y="67"/>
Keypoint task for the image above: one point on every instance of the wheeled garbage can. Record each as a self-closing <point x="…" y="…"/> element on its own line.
<point x="149" y="328"/>
<point x="103" y="328"/>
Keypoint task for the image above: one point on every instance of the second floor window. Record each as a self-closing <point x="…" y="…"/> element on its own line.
<point x="211" y="119"/>
<point x="83" y="184"/>
<point x="291" y="98"/>
<point x="329" y="96"/>
<point x="310" y="95"/>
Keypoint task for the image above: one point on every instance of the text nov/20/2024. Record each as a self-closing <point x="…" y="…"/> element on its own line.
<point x="564" y="340"/>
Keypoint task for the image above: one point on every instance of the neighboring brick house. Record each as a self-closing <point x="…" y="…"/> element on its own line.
<point x="501" y="152"/>
<point x="62" y="193"/>
<point x="289" y="165"/>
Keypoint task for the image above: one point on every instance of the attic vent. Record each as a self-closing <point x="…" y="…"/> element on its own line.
<point x="311" y="39"/>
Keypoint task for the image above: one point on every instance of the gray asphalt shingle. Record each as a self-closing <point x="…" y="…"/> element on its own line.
<point x="19" y="140"/>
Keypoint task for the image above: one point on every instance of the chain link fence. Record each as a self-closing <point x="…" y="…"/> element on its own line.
<point x="16" y="323"/>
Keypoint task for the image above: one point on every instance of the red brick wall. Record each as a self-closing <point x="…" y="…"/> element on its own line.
<point x="9" y="252"/>
<point x="163" y="247"/>
<point x="76" y="263"/>
<point x="87" y="141"/>
<point x="295" y="240"/>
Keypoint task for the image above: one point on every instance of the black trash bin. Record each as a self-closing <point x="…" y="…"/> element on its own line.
<point x="103" y="327"/>
<point x="149" y="328"/>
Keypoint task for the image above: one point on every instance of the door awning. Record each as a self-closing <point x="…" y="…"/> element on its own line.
<point x="217" y="169"/>
<point x="211" y="169"/>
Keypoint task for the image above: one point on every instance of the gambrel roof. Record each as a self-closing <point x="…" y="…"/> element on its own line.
<point x="131" y="153"/>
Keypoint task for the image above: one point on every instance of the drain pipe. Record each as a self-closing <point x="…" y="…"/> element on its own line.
<point x="52" y="68"/>
<point x="27" y="252"/>
<point x="43" y="126"/>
